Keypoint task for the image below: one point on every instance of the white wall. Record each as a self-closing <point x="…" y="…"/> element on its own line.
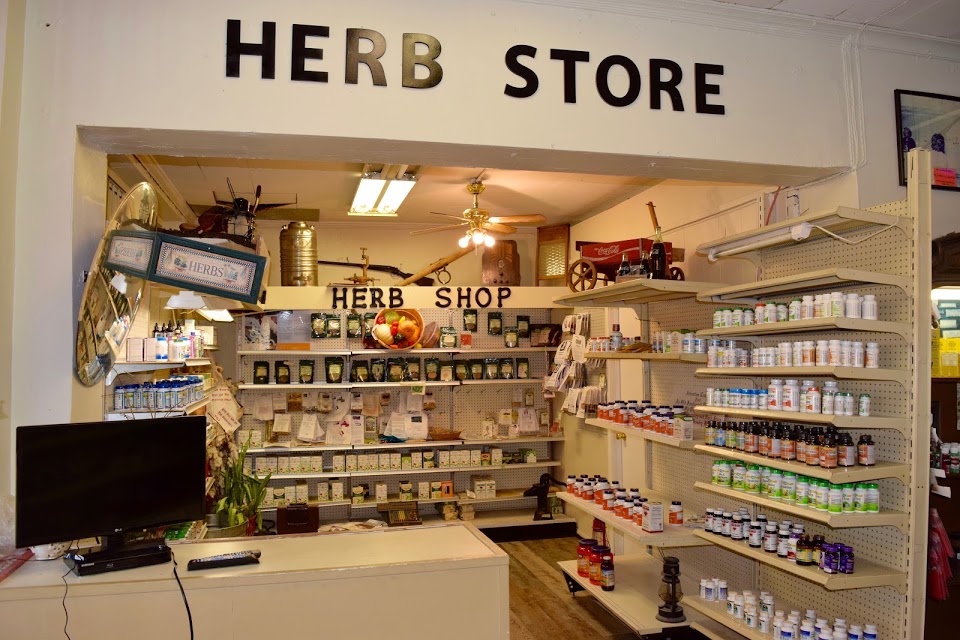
<point x="884" y="71"/>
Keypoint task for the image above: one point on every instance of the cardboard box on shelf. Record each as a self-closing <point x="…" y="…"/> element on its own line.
<point x="423" y="490"/>
<point x="652" y="517"/>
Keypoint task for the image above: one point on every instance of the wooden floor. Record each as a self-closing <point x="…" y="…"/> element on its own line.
<point x="541" y="608"/>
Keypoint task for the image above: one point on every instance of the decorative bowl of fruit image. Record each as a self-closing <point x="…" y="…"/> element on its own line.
<point x="398" y="329"/>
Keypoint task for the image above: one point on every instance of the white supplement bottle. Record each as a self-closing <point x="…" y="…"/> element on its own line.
<point x="869" y="307"/>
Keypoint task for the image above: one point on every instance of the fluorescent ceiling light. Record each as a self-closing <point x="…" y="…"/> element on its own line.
<point x="396" y="191"/>
<point x="185" y="300"/>
<point x="216" y="315"/>
<point x="379" y="197"/>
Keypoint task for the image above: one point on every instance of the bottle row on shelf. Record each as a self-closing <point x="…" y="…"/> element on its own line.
<point x="627" y="504"/>
<point x="814" y="446"/>
<point x="725" y="354"/>
<point x="787" y="539"/>
<point x="760" y="613"/>
<point x="836" y="304"/>
<point x="670" y="421"/>
<point x="791" y="488"/>
<point x="793" y="396"/>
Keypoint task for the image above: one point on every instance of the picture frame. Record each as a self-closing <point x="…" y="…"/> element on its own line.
<point x="204" y="268"/>
<point x="929" y="121"/>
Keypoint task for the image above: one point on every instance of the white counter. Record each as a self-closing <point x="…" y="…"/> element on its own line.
<point x="416" y="583"/>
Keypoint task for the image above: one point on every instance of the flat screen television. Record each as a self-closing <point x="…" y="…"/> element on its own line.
<point x="103" y="479"/>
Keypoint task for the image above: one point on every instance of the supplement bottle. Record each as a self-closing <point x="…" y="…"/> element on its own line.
<point x="607" y="581"/>
<point x="583" y="556"/>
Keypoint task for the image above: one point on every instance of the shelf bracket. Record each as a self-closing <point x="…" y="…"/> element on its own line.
<point x="572" y="585"/>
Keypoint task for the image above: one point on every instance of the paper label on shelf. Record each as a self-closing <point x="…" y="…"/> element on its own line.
<point x="281" y="422"/>
<point x="941" y="491"/>
<point x="263" y="408"/>
<point x="226" y="419"/>
<point x="279" y="401"/>
<point x="308" y="427"/>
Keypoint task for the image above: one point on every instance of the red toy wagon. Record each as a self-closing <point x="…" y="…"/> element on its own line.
<point x="601" y="261"/>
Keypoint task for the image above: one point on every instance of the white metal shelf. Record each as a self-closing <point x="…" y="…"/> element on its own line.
<point x="505" y="495"/>
<point x="316" y="503"/>
<point x="497" y="519"/>
<point x="284" y="387"/>
<point x="898" y="423"/>
<point x="834" y="520"/>
<point x="521" y="440"/>
<point x="369" y="504"/>
<point x="397" y="352"/>
<point x="866" y="574"/>
<point x="836" y="220"/>
<point x="764" y="290"/>
<point x="405" y="445"/>
<point x="528" y="381"/>
<point x="280" y="449"/>
<point x="406" y="383"/>
<point x="300" y="449"/>
<point x="641" y="291"/>
<point x="810" y="325"/>
<point x="158" y="365"/>
<point x="635" y="599"/>
<point x="295" y="352"/>
<point x="669" y="537"/>
<point x="117" y="416"/>
<point x="308" y="476"/>
<point x="630" y="432"/>
<point x="693" y="358"/>
<point x="840" y="475"/>
<point x="841" y="373"/>
<point x="489" y="467"/>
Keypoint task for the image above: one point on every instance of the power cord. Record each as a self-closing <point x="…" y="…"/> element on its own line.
<point x="182" y="593"/>
<point x="859" y="240"/>
<point x="66" y="614"/>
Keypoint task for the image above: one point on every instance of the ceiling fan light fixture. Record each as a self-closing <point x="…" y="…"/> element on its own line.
<point x="489" y="241"/>
<point x="464" y="241"/>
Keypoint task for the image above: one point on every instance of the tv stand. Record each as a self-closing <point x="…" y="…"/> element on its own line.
<point x="117" y="557"/>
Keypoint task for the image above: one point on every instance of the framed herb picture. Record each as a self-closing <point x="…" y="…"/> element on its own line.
<point x="929" y="121"/>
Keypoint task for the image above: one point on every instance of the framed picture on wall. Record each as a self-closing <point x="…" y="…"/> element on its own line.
<point x="930" y="121"/>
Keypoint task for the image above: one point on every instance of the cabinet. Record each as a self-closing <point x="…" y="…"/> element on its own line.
<point x="886" y="256"/>
<point x="461" y="406"/>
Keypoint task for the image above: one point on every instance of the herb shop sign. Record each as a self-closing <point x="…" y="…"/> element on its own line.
<point x="283" y="298"/>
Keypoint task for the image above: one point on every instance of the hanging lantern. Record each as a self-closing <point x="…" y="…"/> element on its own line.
<point x="670" y="592"/>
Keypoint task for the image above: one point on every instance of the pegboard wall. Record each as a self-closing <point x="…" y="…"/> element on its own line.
<point x="461" y="408"/>
<point x="671" y="472"/>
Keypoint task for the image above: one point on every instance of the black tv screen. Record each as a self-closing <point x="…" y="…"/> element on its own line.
<point x="93" y="479"/>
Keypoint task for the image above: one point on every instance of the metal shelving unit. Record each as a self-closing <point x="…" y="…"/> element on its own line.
<point x="810" y="325"/>
<point x="896" y="519"/>
<point x="898" y="423"/>
<point x="840" y="373"/>
<point x="840" y="475"/>
<point x="693" y="358"/>
<point x="630" y="432"/>
<point x="752" y="292"/>
<point x="635" y="292"/>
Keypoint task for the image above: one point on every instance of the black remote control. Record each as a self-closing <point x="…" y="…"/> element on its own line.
<point x="225" y="560"/>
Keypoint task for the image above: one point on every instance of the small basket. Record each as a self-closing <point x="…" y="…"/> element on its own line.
<point x="444" y="434"/>
<point x="412" y="314"/>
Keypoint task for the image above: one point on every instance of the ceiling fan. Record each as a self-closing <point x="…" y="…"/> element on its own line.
<point x="479" y="223"/>
<point x="219" y="218"/>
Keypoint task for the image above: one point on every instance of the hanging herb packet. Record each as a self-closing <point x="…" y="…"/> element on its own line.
<point x="476" y="369"/>
<point x="446" y="372"/>
<point x="261" y="372"/>
<point x="369" y="320"/>
<point x="506" y="368"/>
<point x="432" y="368"/>
<point x="395" y="368"/>
<point x="491" y="369"/>
<point x="523" y="368"/>
<point x="318" y="325"/>
<point x="523" y="326"/>
<point x="354" y="325"/>
<point x="412" y="373"/>
<point x="333" y="325"/>
<point x="360" y="371"/>
<point x="306" y="372"/>
<point x="511" y="338"/>
<point x="378" y="370"/>
<point x="282" y="373"/>
<point x="448" y="338"/>
<point x="333" y="366"/>
<point x="494" y="323"/>
<point x="461" y="370"/>
<point x="470" y="320"/>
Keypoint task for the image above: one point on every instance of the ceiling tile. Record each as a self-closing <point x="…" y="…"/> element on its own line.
<point x="761" y="4"/>
<point x="818" y="8"/>
<point x="937" y="20"/>
<point x="864" y="11"/>
<point x="893" y="18"/>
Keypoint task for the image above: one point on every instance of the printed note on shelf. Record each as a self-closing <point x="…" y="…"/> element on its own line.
<point x="281" y="422"/>
<point x="263" y="409"/>
<point x="308" y="427"/>
<point x="226" y="419"/>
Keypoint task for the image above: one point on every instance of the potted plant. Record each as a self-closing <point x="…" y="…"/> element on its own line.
<point x="242" y="496"/>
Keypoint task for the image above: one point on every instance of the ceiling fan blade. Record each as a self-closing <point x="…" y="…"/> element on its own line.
<point x="496" y="227"/>
<point x="264" y="207"/>
<point x="225" y="203"/>
<point x="435" y="229"/>
<point x="447" y="215"/>
<point x="528" y="219"/>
